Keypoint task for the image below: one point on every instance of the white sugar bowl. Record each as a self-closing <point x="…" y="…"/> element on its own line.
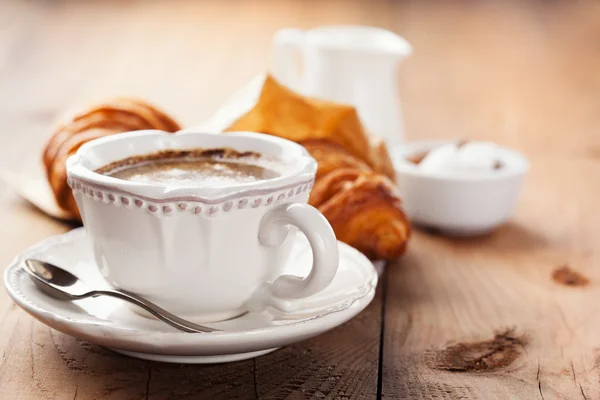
<point x="456" y="189"/>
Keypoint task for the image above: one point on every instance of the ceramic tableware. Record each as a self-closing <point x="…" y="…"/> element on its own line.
<point x="63" y="285"/>
<point x="106" y="322"/>
<point x="459" y="204"/>
<point x="203" y="253"/>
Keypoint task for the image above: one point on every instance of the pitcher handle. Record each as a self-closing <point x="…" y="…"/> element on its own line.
<point x="273" y="232"/>
<point x="287" y="46"/>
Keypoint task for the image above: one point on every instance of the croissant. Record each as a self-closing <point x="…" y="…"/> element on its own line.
<point x="381" y="158"/>
<point x="354" y="186"/>
<point x="114" y="116"/>
<point x="367" y="214"/>
<point x="332" y="156"/>
<point x="363" y="207"/>
<point x="326" y="187"/>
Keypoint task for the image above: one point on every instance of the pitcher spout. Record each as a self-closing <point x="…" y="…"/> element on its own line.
<point x="363" y="39"/>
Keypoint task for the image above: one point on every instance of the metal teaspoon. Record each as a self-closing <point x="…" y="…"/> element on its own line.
<point x="63" y="285"/>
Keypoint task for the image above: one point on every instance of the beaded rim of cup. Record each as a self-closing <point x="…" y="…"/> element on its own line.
<point x="193" y="205"/>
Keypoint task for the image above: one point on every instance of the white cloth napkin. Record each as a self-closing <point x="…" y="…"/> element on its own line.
<point x="34" y="188"/>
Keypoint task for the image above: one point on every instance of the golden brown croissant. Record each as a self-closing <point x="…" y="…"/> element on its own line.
<point x="367" y="214"/>
<point x="114" y="116"/>
<point x="362" y="206"/>
<point x="329" y="185"/>
<point x="381" y="158"/>
<point x="332" y="156"/>
<point x="353" y="187"/>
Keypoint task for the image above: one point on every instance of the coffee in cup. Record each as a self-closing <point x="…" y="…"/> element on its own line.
<point x="196" y="167"/>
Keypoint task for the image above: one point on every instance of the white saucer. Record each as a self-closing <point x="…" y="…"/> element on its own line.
<point x="108" y="322"/>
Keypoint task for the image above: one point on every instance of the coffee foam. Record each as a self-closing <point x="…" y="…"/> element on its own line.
<point x="197" y="167"/>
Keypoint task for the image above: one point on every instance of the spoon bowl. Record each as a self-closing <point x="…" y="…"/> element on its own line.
<point x="55" y="281"/>
<point x="63" y="285"/>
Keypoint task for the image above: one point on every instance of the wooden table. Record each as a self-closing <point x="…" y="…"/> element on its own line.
<point x="475" y="318"/>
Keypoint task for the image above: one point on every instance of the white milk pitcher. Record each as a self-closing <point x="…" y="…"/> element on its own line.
<point x="355" y="65"/>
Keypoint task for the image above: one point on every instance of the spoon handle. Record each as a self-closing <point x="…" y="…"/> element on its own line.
<point x="155" y="310"/>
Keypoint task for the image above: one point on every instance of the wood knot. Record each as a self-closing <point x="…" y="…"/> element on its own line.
<point x="484" y="356"/>
<point x="564" y="275"/>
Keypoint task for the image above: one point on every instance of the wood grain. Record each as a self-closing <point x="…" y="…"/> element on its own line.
<point x="343" y="363"/>
<point x="477" y="318"/>
<point x="529" y="89"/>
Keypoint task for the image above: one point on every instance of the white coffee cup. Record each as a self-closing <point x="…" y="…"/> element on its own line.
<point x="204" y="253"/>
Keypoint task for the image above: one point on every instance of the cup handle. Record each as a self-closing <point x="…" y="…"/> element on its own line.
<point x="287" y="44"/>
<point x="273" y="231"/>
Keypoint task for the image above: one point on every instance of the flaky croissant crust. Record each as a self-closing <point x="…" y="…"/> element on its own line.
<point x="114" y="116"/>
<point x="367" y="214"/>
<point x="363" y="207"/>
